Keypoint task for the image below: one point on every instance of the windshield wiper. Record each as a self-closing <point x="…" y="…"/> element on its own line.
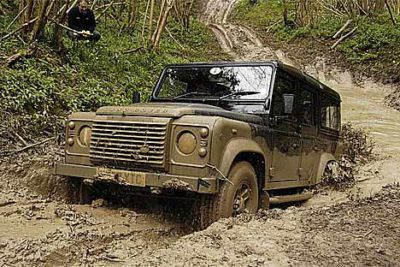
<point x="240" y="93"/>
<point x="190" y="94"/>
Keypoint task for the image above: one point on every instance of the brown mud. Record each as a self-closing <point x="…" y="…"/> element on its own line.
<point x="355" y="227"/>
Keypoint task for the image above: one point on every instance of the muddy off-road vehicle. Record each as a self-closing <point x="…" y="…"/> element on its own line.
<point x="231" y="136"/>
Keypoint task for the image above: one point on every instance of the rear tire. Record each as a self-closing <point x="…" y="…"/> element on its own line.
<point x="239" y="197"/>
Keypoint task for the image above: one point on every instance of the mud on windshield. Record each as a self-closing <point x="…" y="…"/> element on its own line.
<point x="221" y="83"/>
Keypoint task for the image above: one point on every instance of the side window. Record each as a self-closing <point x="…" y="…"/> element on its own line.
<point x="283" y="85"/>
<point x="307" y="107"/>
<point x="329" y="113"/>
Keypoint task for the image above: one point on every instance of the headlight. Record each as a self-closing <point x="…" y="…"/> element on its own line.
<point x="85" y="135"/>
<point x="187" y="142"/>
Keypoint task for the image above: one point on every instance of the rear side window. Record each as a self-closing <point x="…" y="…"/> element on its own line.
<point x="307" y="107"/>
<point x="329" y="113"/>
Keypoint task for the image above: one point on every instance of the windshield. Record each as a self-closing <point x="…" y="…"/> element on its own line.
<point x="216" y="83"/>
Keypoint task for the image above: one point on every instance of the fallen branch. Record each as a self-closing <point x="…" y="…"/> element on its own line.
<point x="21" y="139"/>
<point x="344" y="37"/>
<point x="16" y="57"/>
<point x="344" y="27"/>
<point x="10" y="152"/>
<point x="19" y="29"/>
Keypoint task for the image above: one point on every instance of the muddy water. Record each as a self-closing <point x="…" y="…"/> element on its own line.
<point x="362" y="103"/>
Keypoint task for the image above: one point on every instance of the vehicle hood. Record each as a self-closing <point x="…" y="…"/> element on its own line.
<point x="174" y="110"/>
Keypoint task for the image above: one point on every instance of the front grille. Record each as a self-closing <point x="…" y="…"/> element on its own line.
<point x="126" y="143"/>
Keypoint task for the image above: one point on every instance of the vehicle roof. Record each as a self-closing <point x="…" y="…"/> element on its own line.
<point x="278" y="64"/>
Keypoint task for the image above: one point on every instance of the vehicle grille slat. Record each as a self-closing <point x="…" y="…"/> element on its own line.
<point x="119" y="149"/>
<point x="129" y="132"/>
<point x="115" y="159"/>
<point x="115" y="143"/>
<point x="115" y="136"/>
<point x="132" y="141"/>
<point x="123" y="155"/>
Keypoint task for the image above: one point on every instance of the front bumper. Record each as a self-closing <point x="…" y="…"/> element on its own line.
<point x="138" y="179"/>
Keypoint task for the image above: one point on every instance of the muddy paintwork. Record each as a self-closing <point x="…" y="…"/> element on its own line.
<point x="137" y="145"/>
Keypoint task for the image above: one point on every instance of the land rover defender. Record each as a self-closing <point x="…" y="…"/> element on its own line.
<point x="233" y="135"/>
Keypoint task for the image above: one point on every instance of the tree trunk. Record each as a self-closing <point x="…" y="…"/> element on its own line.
<point x="41" y="22"/>
<point x="58" y="31"/>
<point x="132" y="15"/>
<point x="285" y="13"/>
<point x="162" y="24"/>
<point x="151" y="15"/>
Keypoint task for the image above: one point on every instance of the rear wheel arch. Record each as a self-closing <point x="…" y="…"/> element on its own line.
<point x="325" y="159"/>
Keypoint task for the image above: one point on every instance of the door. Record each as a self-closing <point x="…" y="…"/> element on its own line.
<point x="310" y="152"/>
<point x="286" y="138"/>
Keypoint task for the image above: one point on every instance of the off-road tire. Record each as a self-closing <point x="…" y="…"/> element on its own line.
<point x="210" y="208"/>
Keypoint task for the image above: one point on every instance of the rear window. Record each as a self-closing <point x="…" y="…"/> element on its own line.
<point x="329" y="113"/>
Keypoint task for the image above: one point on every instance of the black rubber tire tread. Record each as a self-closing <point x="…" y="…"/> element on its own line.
<point x="209" y="208"/>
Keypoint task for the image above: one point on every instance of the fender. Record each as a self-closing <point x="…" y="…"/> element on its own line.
<point x="325" y="158"/>
<point x="234" y="148"/>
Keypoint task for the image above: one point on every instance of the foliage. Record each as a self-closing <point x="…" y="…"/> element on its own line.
<point x="376" y="37"/>
<point x="37" y="93"/>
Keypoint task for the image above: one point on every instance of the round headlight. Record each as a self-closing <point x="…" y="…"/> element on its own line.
<point x="85" y="135"/>
<point x="71" y="125"/>
<point x="187" y="143"/>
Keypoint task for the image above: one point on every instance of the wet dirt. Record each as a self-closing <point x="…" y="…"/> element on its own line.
<point x="355" y="227"/>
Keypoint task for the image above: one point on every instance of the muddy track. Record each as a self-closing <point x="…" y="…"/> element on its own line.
<point x="36" y="231"/>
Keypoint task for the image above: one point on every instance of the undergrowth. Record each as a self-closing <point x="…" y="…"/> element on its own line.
<point x="376" y="40"/>
<point x="38" y="92"/>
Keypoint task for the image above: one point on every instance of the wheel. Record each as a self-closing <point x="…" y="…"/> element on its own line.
<point x="239" y="197"/>
<point x="331" y="173"/>
<point x="242" y="196"/>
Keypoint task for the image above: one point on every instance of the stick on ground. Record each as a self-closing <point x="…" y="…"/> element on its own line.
<point x="344" y="37"/>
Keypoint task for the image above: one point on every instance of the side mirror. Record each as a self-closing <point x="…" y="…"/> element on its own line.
<point x="136" y="97"/>
<point x="288" y="100"/>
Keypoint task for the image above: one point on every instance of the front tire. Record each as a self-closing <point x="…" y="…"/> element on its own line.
<point x="239" y="196"/>
<point x="242" y="196"/>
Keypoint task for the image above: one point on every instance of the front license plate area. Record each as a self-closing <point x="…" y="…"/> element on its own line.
<point x="125" y="177"/>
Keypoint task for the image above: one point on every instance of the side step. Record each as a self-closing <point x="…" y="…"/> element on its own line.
<point x="290" y="198"/>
